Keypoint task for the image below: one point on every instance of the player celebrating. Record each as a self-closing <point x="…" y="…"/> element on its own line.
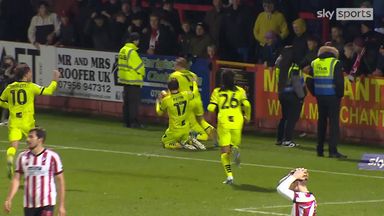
<point x="179" y="107"/>
<point x="294" y="187"/>
<point x="186" y="79"/>
<point x="231" y="102"/>
<point x="19" y="98"/>
<point x="42" y="169"/>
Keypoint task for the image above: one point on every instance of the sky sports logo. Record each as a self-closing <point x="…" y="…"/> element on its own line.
<point x="372" y="162"/>
<point x="342" y="14"/>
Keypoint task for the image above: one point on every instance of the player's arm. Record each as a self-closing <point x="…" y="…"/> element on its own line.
<point x="4" y="99"/>
<point x="159" y="111"/>
<point x="161" y="106"/>
<point x="61" y="184"/>
<point x="213" y="103"/>
<point x="52" y="86"/>
<point x="12" y="192"/>
<point x="283" y="187"/>
<point x="246" y="106"/>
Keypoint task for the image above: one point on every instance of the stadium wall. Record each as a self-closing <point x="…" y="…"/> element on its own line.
<point x="89" y="85"/>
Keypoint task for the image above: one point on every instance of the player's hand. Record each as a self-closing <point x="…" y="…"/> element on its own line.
<point x="162" y="95"/>
<point x="7" y="206"/>
<point x="301" y="173"/>
<point x="246" y="120"/>
<point x="62" y="211"/>
<point x="56" y="75"/>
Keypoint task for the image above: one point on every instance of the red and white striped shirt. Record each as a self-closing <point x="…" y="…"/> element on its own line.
<point x="304" y="203"/>
<point x="39" y="172"/>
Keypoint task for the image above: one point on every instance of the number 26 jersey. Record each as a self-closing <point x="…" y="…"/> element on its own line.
<point x="229" y="107"/>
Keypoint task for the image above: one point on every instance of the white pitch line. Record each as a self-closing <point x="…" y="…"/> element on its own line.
<point x="207" y="160"/>
<point x="256" y="209"/>
<point x="260" y="212"/>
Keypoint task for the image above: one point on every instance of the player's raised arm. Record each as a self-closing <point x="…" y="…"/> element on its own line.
<point x="53" y="85"/>
<point x="283" y="187"/>
<point x="160" y="106"/>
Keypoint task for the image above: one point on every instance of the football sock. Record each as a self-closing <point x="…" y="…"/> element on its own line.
<point x="11" y="151"/>
<point x="226" y="161"/>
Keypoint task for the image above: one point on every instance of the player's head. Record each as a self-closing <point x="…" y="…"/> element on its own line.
<point x="228" y="80"/>
<point x="173" y="85"/>
<point x="36" y="137"/>
<point x="23" y="72"/>
<point x="181" y="63"/>
<point x="300" y="184"/>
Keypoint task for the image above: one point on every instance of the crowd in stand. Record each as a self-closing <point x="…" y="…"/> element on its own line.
<point x="237" y="30"/>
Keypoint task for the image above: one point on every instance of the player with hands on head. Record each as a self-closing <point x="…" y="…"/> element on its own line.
<point x="294" y="187"/>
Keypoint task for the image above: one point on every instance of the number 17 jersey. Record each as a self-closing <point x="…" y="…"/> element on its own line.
<point x="229" y="107"/>
<point x="20" y="97"/>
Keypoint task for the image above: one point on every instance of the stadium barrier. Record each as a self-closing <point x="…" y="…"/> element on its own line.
<point x="361" y="114"/>
<point x="89" y="85"/>
<point x="89" y="78"/>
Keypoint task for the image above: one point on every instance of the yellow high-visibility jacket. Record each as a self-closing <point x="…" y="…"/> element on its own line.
<point x="131" y="69"/>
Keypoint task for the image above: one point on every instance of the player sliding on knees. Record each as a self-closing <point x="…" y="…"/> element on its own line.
<point x="233" y="108"/>
<point x="179" y="107"/>
<point x="19" y="98"/>
<point x="200" y="128"/>
<point x="294" y="187"/>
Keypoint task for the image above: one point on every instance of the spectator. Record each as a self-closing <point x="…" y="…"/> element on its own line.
<point x="211" y="52"/>
<point x="337" y="39"/>
<point x="118" y="28"/>
<point x="200" y="41"/>
<point x="44" y="27"/>
<point x="17" y="17"/>
<point x="158" y="40"/>
<point x="299" y="42"/>
<point x="311" y="54"/>
<point x="82" y="13"/>
<point x="137" y="26"/>
<point x="371" y="37"/>
<point x="185" y="39"/>
<point x="362" y="65"/>
<point x="7" y="75"/>
<point x="97" y="28"/>
<point x="270" y="50"/>
<point x="169" y="16"/>
<point x="237" y="30"/>
<point x="67" y="31"/>
<point x="348" y="57"/>
<point x="110" y="8"/>
<point x="126" y="10"/>
<point x="213" y="19"/>
<point x="379" y="71"/>
<point x="269" y="20"/>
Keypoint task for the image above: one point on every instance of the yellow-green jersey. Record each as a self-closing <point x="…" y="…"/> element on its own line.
<point x="232" y="107"/>
<point x="186" y="81"/>
<point x="20" y="97"/>
<point x="178" y="107"/>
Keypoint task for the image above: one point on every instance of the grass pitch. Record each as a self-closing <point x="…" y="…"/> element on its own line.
<point x="114" y="171"/>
